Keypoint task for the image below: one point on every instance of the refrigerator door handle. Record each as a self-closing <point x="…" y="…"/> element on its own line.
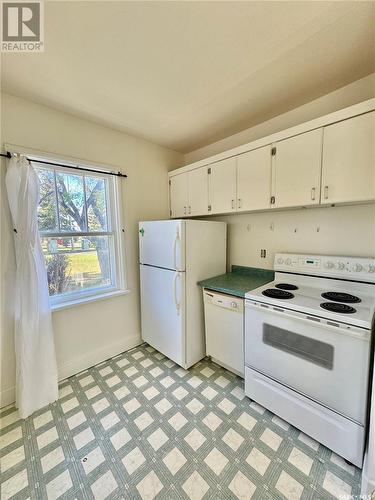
<point x="177" y="304"/>
<point x="174" y="248"/>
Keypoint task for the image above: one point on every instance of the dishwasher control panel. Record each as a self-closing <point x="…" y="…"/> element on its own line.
<point x="225" y="301"/>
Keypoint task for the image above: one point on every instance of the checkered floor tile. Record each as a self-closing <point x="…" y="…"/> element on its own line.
<point x="138" y="426"/>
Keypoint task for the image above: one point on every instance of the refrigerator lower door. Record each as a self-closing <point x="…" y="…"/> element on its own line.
<point x="163" y="311"/>
<point x="162" y="244"/>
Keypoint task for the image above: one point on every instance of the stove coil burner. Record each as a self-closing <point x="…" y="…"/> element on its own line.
<point x="338" y="308"/>
<point x="274" y="293"/>
<point x="286" y="286"/>
<point x="341" y="297"/>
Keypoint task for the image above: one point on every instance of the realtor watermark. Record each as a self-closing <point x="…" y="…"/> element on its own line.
<point x="22" y="26"/>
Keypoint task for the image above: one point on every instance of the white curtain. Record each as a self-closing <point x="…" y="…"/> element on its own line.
<point x="36" y="370"/>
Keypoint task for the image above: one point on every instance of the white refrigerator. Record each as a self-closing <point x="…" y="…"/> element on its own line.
<point x="174" y="256"/>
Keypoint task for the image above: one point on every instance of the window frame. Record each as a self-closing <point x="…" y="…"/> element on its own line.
<point x="115" y="230"/>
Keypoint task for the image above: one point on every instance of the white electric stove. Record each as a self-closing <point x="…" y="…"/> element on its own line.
<point x="307" y="347"/>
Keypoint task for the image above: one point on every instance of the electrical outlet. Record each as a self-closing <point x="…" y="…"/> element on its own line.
<point x="263" y="253"/>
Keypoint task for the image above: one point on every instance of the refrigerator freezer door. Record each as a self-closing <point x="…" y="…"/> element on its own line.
<point x="162" y="244"/>
<point x="163" y="311"/>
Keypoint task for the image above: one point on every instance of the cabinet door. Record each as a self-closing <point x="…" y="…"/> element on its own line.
<point x="297" y="166"/>
<point x="254" y="179"/>
<point x="222" y="186"/>
<point x="198" y="192"/>
<point x="178" y="190"/>
<point x="348" y="173"/>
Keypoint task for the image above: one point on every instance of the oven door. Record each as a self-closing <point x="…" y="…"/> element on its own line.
<point x="328" y="364"/>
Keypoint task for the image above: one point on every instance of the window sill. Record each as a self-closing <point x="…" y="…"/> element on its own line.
<point x="87" y="300"/>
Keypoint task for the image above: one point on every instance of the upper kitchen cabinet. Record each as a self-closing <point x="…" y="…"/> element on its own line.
<point x="179" y="195"/>
<point x="296" y="170"/>
<point x="254" y="180"/>
<point x="198" y="191"/>
<point x="222" y="186"/>
<point x="189" y="193"/>
<point x="348" y="173"/>
<point x="327" y="160"/>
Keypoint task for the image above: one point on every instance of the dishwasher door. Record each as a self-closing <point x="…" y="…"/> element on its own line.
<point x="224" y="322"/>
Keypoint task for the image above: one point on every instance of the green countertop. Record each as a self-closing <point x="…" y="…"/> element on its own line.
<point x="239" y="281"/>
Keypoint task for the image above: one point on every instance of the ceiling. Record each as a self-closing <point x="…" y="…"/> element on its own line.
<point x="186" y="74"/>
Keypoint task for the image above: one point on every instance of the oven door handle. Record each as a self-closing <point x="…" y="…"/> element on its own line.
<point x="358" y="333"/>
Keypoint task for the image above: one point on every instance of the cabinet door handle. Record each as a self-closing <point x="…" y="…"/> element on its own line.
<point x="326" y="192"/>
<point x="232" y="204"/>
<point x="313" y="193"/>
<point x="239" y="203"/>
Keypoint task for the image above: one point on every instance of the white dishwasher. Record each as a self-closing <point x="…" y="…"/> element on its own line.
<point x="224" y="322"/>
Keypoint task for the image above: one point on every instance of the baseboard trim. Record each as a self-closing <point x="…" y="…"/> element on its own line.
<point x="94" y="357"/>
<point x="81" y="363"/>
<point x="7" y="396"/>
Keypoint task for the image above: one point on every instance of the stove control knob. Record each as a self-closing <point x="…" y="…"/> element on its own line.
<point x="280" y="260"/>
<point x="340" y="266"/>
<point x="370" y="268"/>
<point x="329" y="265"/>
<point x="356" y="268"/>
<point x="288" y="261"/>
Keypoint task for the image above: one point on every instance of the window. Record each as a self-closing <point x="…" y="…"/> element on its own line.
<point x="80" y="232"/>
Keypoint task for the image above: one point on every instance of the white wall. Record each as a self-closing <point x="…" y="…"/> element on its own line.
<point x="353" y="93"/>
<point x="346" y="230"/>
<point x="84" y="334"/>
